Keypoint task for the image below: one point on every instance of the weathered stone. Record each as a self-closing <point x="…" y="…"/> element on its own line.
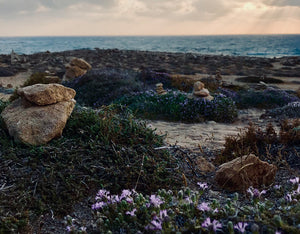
<point x="73" y="72"/>
<point x="77" y="62"/>
<point x="36" y="125"/>
<point x="200" y="91"/>
<point x="46" y="94"/>
<point x="243" y="172"/>
<point x="203" y="165"/>
<point x="159" y="89"/>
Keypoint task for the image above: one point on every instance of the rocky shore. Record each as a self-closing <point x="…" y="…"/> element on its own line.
<point x="173" y="63"/>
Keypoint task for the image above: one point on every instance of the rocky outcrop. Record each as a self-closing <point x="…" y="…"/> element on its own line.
<point x="46" y="94"/>
<point x="37" y="124"/>
<point x="77" y="67"/>
<point x="243" y="172"/>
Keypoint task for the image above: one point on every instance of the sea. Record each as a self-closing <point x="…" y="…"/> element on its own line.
<point x="237" y="45"/>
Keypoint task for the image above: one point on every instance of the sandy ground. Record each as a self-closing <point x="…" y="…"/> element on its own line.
<point x="210" y="134"/>
<point x="15" y="81"/>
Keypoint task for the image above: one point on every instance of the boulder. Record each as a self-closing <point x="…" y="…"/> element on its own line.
<point x="46" y="94"/>
<point x="200" y="92"/>
<point x="36" y="125"/>
<point x="77" y="62"/>
<point x="77" y="67"/>
<point x="160" y="90"/>
<point x="243" y="172"/>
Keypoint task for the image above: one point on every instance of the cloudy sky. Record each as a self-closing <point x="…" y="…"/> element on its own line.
<point x="148" y="17"/>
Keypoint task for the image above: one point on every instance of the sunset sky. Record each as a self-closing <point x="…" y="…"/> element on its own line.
<point x="148" y="17"/>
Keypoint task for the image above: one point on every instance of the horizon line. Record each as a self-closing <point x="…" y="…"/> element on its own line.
<point x="157" y="35"/>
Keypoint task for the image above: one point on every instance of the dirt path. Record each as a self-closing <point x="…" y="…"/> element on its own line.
<point x="209" y="134"/>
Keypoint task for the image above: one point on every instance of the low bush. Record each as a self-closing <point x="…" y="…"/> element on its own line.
<point x="102" y="86"/>
<point x="268" y="98"/>
<point x="289" y="111"/>
<point x="193" y="211"/>
<point x="178" y="106"/>
<point x="108" y="148"/>
<point x="270" y="146"/>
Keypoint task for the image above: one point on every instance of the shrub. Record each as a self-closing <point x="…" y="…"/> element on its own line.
<point x="193" y="211"/>
<point x="102" y="86"/>
<point x="268" y="98"/>
<point x="289" y="111"/>
<point x="178" y="106"/>
<point x="269" y="145"/>
<point x="108" y="148"/>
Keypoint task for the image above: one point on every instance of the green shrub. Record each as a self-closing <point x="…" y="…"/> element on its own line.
<point x="178" y="106"/>
<point x="108" y="148"/>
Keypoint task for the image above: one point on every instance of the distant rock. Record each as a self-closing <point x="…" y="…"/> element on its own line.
<point x="46" y="94"/>
<point x="38" y="124"/>
<point x="77" y="67"/>
<point x="160" y="89"/>
<point x="200" y="91"/>
<point x="203" y="165"/>
<point x="243" y="172"/>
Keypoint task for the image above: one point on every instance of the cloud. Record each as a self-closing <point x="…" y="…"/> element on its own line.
<point x="282" y="3"/>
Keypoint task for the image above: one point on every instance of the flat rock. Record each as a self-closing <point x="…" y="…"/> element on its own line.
<point x="243" y="172"/>
<point x="46" y="94"/>
<point x="36" y="125"/>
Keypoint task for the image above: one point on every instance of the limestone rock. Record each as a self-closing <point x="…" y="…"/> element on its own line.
<point x="200" y="91"/>
<point x="46" y="94"/>
<point x="77" y="62"/>
<point x="36" y="125"/>
<point x="159" y="89"/>
<point x="77" y="67"/>
<point x="243" y="172"/>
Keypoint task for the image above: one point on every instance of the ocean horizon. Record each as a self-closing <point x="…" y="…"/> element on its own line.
<point x="235" y="45"/>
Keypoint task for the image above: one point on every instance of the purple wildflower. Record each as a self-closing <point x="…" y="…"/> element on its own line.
<point x="241" y="227"/>
<point x="295" y="180"/>
<point x="163" y="214"/>
<point x="277" y="186"/>
<point x="202" y="185"/>
<point x="131" y="213"/>
<point x="214" y="224"/>
<point x="255" y="193"/>
<point x="203" y="207"/>
<point x="98" y="205"/>
<point x="102" y="193"/>
<point x="125" y="193"/>
<point x="155" y="225"/>
<point x="68" y="228"/>
<point x="155" y="200"/>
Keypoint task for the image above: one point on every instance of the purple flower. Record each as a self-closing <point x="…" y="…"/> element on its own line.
<point x="102" y="193"/>
<point x="98" y="205"/>
<point x="241" y="226"/>
<point x="203" y="207"/>
<point x="255" y="193"/>
<point x="125" y="193"/>
<point x="277" y="186"/>
<point x="155" y="225"/>
<point x="295" y="180"/>
<point x="68" y="228"/>
<point x="155" y="200"/>
<point x="208" y="224"/>
<point x="163" y="214"/>
<point x="131" y="213"/>
<point x="129" y="200"/>
<point x="202" y="185"/>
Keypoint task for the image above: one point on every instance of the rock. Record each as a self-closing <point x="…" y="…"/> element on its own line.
<point x="46" y="94"/>
<point x="77" y="67"/>
<point x="159" y="89"/>
<point x="9" y="86"/>
<point x="243" y="172"/>
<point x="36" y="125"/>
<point x="200" y="91"/>
<point x="203" y="165"/>
<point x="77" y="62"/>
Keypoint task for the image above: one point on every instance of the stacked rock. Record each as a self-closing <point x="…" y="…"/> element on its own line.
<point x="160" y="90"/>
<point x="77" y="67"/>
<point x="200" y="92"/>
<point x="40" y="114"/>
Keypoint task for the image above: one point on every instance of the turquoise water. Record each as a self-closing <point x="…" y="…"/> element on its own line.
<point x="241" y="45"/>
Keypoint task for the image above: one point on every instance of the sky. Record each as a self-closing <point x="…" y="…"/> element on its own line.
<point x="148" y="17"/>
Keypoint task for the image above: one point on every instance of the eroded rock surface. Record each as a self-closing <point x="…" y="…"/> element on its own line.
<point x="243" y="172"/>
